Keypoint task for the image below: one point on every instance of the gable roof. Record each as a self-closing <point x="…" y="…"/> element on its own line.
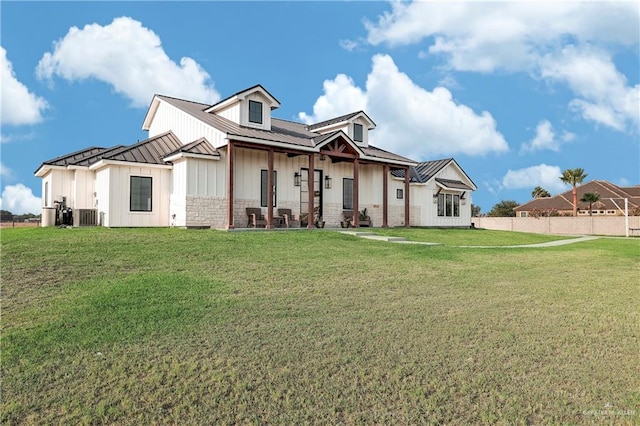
<point x="198" y="148"/>
<point x="607" y="190"/>
<point x="341" y="119"/>
<point x="425" y="171"/>
<point x="149" y="151"/>
<point x="229" y="100"/>
<point x="283" y="132"/>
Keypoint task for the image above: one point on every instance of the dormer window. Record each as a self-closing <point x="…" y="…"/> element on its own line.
<point x="255" y="112"/>
<point x="357" y="132"/>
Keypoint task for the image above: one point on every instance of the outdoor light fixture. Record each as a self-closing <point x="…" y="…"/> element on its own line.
<point x="327" y="182"/>
<point x="296" y="179"/>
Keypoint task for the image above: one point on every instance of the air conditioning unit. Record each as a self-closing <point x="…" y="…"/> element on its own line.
<point x="85" y="217"/>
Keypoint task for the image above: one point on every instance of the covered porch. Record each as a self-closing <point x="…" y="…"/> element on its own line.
<point x="318" y="186"/>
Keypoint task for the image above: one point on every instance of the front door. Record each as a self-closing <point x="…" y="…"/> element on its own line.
<point x="304" y="194"/>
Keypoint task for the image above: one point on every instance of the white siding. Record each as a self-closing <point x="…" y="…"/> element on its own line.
<point x="60" y="185"/>
<point x="231" y="112"/>
<point x="117" y="213"/>
<point x="83" y="189"/>
<point x="103" y="195"/>
<point x="184" y="126"/>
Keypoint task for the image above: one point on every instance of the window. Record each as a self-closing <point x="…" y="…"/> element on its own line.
<point x="399" y="194"/>
<point x="140" y="196"/>
<point x="449" y="205"/>
<point x="357" y="132"/>
<point x="263" y="187"/>
<point x="523" y="214"/>
<point x="347" y="194"/>
<point x="255" y="112"/>
<point x="46" y="194"/>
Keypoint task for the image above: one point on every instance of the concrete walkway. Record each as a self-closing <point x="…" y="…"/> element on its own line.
<point x="548" y="244"/>
<point x="402" y="240"/>
<point x="374" y="236"/>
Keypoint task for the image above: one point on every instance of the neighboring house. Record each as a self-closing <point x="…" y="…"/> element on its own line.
<point x="611" y="201"/>
<point x="204" y="165"/>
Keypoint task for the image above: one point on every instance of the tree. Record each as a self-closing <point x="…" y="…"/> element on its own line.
<point x="574" y="177"/>
<point x="590" y="198"/>
<point x="6" y="216"/>
<point x="504" y="209"/>
<point x="539" y="192"/>
<point x="475" y="210"/>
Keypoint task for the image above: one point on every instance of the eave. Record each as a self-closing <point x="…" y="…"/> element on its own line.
<point x="104" y="163"/>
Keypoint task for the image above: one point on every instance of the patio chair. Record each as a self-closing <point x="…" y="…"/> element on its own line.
<point x="288" y="218"/>
<point x="255" y="218"/>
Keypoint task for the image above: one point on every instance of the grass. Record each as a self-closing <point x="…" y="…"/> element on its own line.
<point x="143" y="326"/>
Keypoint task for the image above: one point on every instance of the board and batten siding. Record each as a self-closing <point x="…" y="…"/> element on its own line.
<point x="184" y="126"/>
<point x="83" y="190"/>
<point x="59" y="183"/>
<point x="103" y="195"/>
<point x="113" y="194"/>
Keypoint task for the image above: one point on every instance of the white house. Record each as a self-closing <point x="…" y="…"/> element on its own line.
<point x="205" y="165"/>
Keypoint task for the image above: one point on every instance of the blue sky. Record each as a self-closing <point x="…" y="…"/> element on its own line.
<point x="515" y="92"/>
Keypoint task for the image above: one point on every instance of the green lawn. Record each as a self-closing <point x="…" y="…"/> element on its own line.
<point x="144" y="326"/>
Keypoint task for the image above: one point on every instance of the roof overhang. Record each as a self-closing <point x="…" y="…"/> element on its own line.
<point x="181" y="155"/>
<point x="104" y="163"/>
<point x="452" y="185"/>
<point x="46" y="168"/>
<point x="151" y="112"/>
<point x="238" y="97"/>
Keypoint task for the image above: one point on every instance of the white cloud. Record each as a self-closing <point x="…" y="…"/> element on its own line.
<point x="546" y="138"/>
<point x="542" y="175"/>
<point x="5" y="172"/>
<point x="556" y="43"/>
<point x="18" y="199"/>
<point x="410" y="120"/>
<point x="604" y="95"/>
<point x="131" y="59"/>
<point x="349" y="45"/>
<point x="19" y="105"/>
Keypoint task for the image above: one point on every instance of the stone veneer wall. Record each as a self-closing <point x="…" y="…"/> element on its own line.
<point x="204" y="211"/>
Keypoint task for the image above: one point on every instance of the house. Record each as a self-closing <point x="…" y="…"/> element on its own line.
<point x="205" y="165"/>
<point x="611" y="201"/>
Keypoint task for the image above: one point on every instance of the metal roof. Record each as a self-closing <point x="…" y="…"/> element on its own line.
<point x="282" y="131"/>
<point x="424" y="171"/>
<point x="75" y="157"/>
<point x="200" y="146"/>
<point x="453" y="184"/>
<point x="340" y="119"/>
<point x="149" y="151"/>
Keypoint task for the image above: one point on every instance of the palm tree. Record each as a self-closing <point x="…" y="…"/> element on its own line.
<point x="539" y="192"/>
<point x="574" y="177"/>
<point x="590" y="198"/>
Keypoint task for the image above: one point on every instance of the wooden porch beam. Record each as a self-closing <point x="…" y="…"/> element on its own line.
<point x="385" y="196"/>
<point x="270" y="189"/>
<point x="310" y="193"/>
<point x="407" y="178"/>
<point x="356" y="184"/>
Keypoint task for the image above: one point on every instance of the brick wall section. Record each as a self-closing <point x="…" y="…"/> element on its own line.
<point x="594" y="225"/>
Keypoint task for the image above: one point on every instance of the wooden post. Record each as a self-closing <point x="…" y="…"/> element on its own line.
<point x="311" y="188"/>
<point x="407" y="178"/>
<point x="230" y="149"/>
<point x="385" y="196"/>
<point x="270" y="189"/>
<point x="356" y="183"/>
